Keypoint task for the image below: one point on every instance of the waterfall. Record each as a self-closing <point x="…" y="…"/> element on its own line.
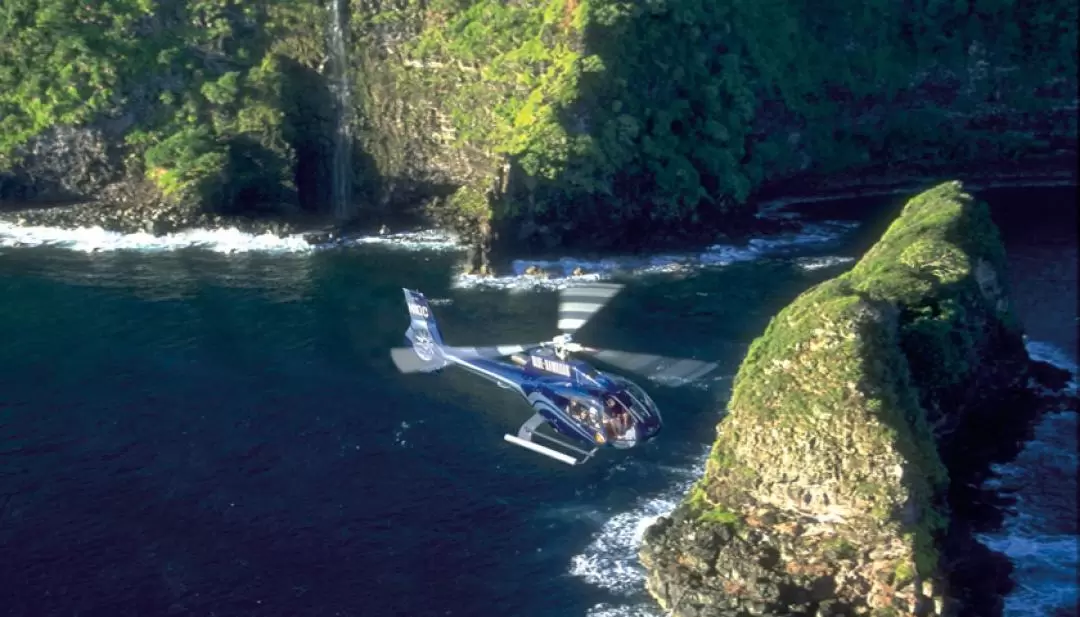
<point x="341" y="170"/>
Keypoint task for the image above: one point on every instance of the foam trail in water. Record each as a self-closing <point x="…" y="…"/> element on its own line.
<point x="818" y="263"/>
<point x="560" y="273"/>
<point x="1040" y="538"/>
<point x="226" y="240"/>
<point x="636" y="610"/>
<point x="424" y="240"/>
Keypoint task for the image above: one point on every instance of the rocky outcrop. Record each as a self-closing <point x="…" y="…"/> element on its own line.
<point x="827" y="489"/>
<point x="64" y="163"/>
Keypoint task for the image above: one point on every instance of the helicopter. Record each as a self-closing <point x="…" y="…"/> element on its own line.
<point x="586" y="408"/>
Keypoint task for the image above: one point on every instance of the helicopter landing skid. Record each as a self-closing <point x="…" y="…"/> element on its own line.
<point x="527" y="432"/>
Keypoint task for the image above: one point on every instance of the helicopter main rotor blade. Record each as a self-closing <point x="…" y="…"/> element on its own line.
<point x="578" y="304"/>
<point x="652" y="366"/>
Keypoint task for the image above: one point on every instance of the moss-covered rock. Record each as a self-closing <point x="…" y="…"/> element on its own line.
<point x="830" y="458"/>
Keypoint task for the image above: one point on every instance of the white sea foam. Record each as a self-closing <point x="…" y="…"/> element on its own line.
<point x="1045" y="352"/>
<point x="225" y="240"/>
<point x="818" y="263"/>
<point x="625" y="610"/>
<point x="426" y="240"/>
<point x="1045" y="560"/>
<point x="560" y="273"/>
<point x="610" y="560"/>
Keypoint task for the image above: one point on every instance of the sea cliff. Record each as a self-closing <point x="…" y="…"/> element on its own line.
<point x="827" y="490"/>
<point x="533" y="123"/>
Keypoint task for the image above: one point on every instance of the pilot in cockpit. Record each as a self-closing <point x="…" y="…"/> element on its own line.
<point x="618" y="420"/>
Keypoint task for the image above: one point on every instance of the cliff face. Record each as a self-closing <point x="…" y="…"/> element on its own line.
<point x="596" y="121"/>
<point x="586" y="121"/>
<point x="825" y="491"/>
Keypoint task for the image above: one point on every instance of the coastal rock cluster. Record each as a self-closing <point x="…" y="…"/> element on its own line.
<point x="827" y="489"/>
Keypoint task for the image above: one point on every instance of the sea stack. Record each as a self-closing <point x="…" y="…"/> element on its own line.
<point x="825" y="490"/>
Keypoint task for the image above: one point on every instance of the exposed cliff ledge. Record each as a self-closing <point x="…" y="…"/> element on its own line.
<point x="826" y="490"/>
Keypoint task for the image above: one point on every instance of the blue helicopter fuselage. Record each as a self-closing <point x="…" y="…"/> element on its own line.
<point x="581" y="403"/>
<point x="576" y="399"/>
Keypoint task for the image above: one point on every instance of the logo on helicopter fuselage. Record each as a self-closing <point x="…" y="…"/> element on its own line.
<point x="420" y="311"/>
<point x="551" y="366"/>
<point x="423" y="343"/>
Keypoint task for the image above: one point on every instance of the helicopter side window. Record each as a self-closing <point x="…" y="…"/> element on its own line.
<point x="582" y="412"/>
<point x="578" y="411"/>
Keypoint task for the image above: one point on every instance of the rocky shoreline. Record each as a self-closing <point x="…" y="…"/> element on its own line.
<point x="1052" y="171"/>
<point x="151" y="214"/>
<point x="135" y="206"/>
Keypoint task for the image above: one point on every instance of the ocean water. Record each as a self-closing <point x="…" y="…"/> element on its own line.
<point x="210" y="424"/>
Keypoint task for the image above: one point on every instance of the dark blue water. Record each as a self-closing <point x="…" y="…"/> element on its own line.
<point x="185" y="433"/>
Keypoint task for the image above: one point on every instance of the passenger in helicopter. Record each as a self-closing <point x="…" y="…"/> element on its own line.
<point x="578" y="411"/>
<point x="618" y="420"/>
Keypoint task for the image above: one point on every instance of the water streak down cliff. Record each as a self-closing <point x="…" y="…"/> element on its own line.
<point x="341" y="170"/>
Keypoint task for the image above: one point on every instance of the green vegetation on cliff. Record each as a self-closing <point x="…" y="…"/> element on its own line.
<point x="612" y="115"/>
<point x="622" y="113"/>
<point x="198" y="88"/>
<point x="831" y="411"/>
<point x="829" y="465"/>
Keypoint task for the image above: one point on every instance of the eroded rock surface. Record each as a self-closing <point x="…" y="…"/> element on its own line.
<point x="826" y="491"/>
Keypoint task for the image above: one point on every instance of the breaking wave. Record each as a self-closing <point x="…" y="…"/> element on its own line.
<point x="556" y="273"/>
<point x="568" y="271"/>
<point x="1039" y="534"/>
<point x="224" y="240"/>
<point x="610" y="561"/>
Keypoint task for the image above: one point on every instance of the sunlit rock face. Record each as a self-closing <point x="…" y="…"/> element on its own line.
<point x="826" y="490"/>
